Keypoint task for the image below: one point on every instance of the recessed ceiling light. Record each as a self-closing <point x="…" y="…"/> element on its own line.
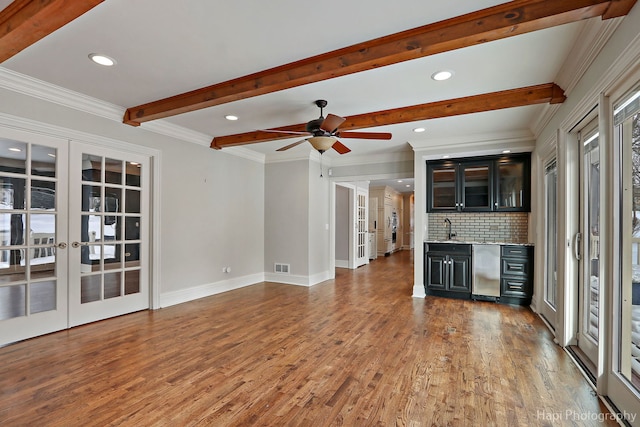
<point x="506" y="151"/>
<point x="102" y="59"/>
<point x="231" y="117"/>
<point x="442" y="75"/>
<point x="399" y="180"/>
<point x="418" y="130"/>
<point x="17" y="150"/>
<point x="446" y="156"/>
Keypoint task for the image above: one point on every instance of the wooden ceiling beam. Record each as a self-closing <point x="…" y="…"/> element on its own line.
<point x="494" y="23"/>
<point x="24" y="22"/>
<point x="530" y="95"/>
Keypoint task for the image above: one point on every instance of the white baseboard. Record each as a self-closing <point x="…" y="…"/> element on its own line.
<point x="291" y="279"/>
<point x="184" y="295"/>
<point x="177" y="297"/>
<point x="341" y="263"/>
<point x="418" y="291"/>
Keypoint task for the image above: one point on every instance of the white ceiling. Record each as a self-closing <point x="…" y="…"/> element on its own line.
<point x="164" y="48"/>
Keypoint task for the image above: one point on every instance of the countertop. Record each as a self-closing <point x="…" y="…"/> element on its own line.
<point x="471" y="242"/>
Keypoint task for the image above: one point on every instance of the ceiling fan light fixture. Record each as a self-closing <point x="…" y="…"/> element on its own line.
<point x="322" y="143"/>
<point x="442" y="75"/>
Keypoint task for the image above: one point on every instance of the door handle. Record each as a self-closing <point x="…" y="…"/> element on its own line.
<point x="62" y="245"/>
<point x="577" y="239"/>
<point x="77" y="244"/>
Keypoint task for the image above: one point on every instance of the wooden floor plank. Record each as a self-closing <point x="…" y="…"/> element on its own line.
<point x="357" y="350"/>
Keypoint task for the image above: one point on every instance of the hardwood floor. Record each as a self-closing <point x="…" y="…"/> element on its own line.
<point x="354" y="351"/>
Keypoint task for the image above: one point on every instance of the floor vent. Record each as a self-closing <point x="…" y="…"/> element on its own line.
<point x="282" y="268"/>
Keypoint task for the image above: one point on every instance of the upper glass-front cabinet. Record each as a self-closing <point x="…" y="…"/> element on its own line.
<point x="444" y="184"/>
<point x="476" y="186"/>
<point x="479" y="184"/>
<point x="512" y="184"/>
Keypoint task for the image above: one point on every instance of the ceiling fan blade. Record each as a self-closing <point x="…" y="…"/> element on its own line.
<point x="332" y="122"/>
<point x="286" y="147"/>
<point x="340" y="147"/>
<point x="364" y="135"/>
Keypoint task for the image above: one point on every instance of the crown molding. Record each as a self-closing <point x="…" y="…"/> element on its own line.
<point x="627" y="60"/>
<point x="591" y="39"/>
<point x="35" y="88"/>
<point x="26" y="85"/>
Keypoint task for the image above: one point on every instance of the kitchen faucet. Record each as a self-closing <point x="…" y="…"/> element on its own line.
<point x="451" y="234"/>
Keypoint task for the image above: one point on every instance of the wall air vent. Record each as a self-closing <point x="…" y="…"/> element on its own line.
<point x="282" y="268"/>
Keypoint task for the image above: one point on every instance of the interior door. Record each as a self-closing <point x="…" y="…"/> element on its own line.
<point x="588" y="244"/>
<point x="33" y="230"/>
<point x="109" y="253"/>
<point x="362" y="235"/>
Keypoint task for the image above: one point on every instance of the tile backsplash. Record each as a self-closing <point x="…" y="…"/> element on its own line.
<point x="510" y="227"/>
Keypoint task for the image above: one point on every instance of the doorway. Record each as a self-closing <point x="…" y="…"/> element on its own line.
<point x="351" y="225"/>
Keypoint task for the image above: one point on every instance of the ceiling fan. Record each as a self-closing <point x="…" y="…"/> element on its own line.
<point x="324" y="133"/>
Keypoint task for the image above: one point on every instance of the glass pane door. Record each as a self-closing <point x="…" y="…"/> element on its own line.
<point x="627" y="295"/>
<point x="109" y="210"/>
<point x="362" y="256"/>
<point x="33" y="258"/>
<point x="590" y="283"/>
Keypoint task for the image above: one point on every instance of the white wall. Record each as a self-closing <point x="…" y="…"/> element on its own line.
<point x="287" y="216"/>
<point x="319" y="229"/>
<point x="297" y="211"/>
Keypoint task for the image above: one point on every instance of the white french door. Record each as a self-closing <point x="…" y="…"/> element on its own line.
<point x="74" y="234"/>
<point x="109" y="223"/>
<point x="362" y="234"/>
<point x="624" y="374"/>
<point x="33" y="232"/>
<point x="588" y="244"/>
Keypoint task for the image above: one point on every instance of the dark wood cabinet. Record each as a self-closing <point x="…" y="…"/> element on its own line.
<point x="516" y="274"/>
<point x="448" y="270"/>
<point x="480" y="184"/>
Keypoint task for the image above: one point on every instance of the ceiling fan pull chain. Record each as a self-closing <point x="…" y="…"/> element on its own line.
<point x="320" y="165"/>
